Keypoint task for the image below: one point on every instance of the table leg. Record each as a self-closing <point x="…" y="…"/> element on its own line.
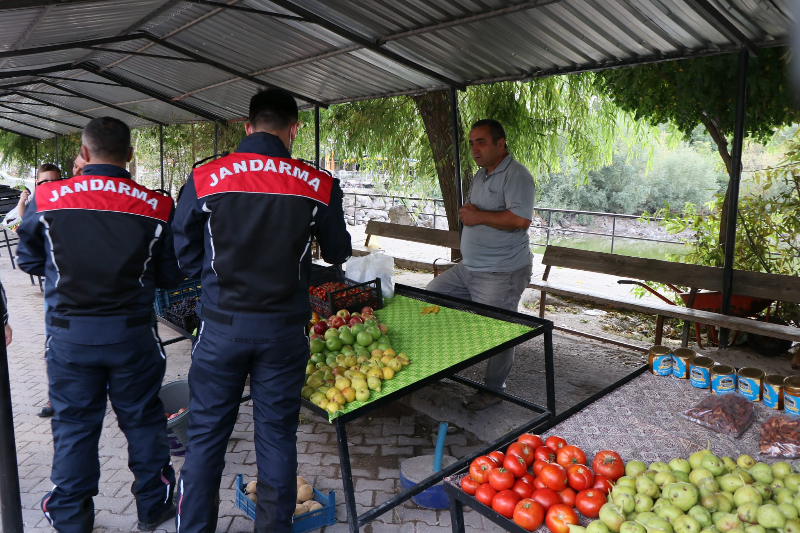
<point x="456" y="515"/>
<point x="347" y="475"/>
<point x="549" y="371"/>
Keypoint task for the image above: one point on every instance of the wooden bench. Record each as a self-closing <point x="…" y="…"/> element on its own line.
<point x="435" y="237"/>
<point x="757" y="284"/>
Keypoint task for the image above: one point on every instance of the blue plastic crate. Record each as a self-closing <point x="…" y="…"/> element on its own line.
<point x="167" y="297"/>
<point x="304" y="522"/>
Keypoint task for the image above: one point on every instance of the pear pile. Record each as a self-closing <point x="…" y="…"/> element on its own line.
<point x="352" y="373"/>
<point x="704" y="494"/>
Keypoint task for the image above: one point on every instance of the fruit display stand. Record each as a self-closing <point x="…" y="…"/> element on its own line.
<point x="440" y="345"/>
<point x="640" y="418"/>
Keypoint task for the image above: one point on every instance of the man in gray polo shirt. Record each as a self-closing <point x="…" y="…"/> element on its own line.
<point x="496" y="265"/>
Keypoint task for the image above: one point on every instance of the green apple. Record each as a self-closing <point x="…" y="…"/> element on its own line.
<point x="362" y="395"/>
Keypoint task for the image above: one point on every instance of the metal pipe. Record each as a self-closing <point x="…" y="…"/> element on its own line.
<point x="733" y="191"/>
<point x="599" y="338"/>
<point x="613" y="232"/>
<point x="549" y="225"/>
<point x="316" y="136"/>
<point x="347" y="477"/>
<point x="10" y="502"/>
<point x="216" y="137"/>
<point x="161" y="152"/>
<point x="56" y="150"/>
<point x="549" y="370"/>
<point x="456" y="149"/>
<point x="35" y="157"/>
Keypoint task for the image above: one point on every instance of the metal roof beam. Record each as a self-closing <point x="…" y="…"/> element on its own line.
<point x="30" y="125"/>
<point x="93" y="82"/>
<point x="225" y="68"/>
<point x="70" y="45"/>
<point x="140" y="54"/>
<point x="27" y="4"/>
<point x="43" y="117"/>
<point x="373" y="46"/>
<point x="716" y="18"/>
<point x="149" y="92"/>
<point x="247" y="10"/>
<point x="20" y="134"/>
<point x="5" y="74"/>
<point x="102" y="102"/>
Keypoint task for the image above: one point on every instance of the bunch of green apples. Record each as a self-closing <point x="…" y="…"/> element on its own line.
<point x="339" y="373"/>
<point x="704" y="494"/>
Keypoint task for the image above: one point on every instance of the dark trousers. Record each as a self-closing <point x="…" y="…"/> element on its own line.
<point x="219" y="369"/>
<point x="130" y="374"/>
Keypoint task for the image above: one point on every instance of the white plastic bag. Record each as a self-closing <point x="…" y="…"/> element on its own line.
<point x="375" y="265"/>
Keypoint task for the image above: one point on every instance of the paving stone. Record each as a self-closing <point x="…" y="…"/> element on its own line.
<point x="397" y="450"/>
<point x="375" y="484"/>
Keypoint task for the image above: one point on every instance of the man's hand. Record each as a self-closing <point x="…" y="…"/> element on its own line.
<point x="8" y="334"/>
<point x="470" y="215"/>
<point x="23" y="197"/>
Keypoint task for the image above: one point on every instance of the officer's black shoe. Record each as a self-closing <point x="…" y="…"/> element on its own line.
<point x="166" y="514"/>
<point x="46" y="411"/>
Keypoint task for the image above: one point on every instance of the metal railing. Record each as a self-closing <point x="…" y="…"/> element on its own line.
<point x="548" y="230"/>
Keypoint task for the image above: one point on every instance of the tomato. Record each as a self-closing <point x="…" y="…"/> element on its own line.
<point x="546" y="497"/>
<point x="498" y="457"/>
<point x="580" y="477"/>
<point x="469" y="485"/>
<point x="516" y="465"/>
<point x="609" y="464"/>
<point x="559" y="517"/>
<point x="523" y="489"/>
<point x="539" y="484"/>
<point x="570" y="455"/>
<point x="589" y="502"/>
<point x="602" y="483"/>
<point x="534" y="441"/>
<point x="538" y="465"/>
<point x="555" y="443"/>
<point x="486" y="460"/>
<point x="504" y="502"/>
<point x="544" y="454"/>
<point x="529" y="515"/>
<point x="479" y="471"/>
<point x="567" y="497"/>
<point x="528" y="478"/>
<point x="501" y="479"/>
<point x="523" y="450"/>
<point x="485" y="494"/>
<point x="554" y="476"/>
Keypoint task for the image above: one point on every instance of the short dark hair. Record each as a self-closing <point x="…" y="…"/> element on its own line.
<point x="496" y="129"/>
<point x="273" y="109"/>
<point x="48" y="167"/>
<point x="107" y="138"/>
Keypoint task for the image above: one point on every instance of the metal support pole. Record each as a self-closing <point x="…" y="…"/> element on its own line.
<point x="161" y="148"/>
<point x="613" y="232"/>
<point x="733" y="192"/>
<point x="549" y="225"/>
<point x="216" y="137"/>
<point x="316" y="136"/>
<point x="35" y="156"/>
<point x="549" y="370"/>
<point x="56" y="150"/>
<point x="10" y="502"/>
<point x="456" y="148"/>
<point x="347" y="475"/>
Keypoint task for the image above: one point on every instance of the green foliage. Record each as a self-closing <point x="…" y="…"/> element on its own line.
<point x="20" y="152"/>
<point x="690" y="92"/>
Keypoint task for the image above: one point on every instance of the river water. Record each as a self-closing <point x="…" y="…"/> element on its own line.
<point x="622" y="245"/>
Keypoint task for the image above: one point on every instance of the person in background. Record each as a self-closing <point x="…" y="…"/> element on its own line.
<point x="495" y="246"/>
<point x="248" y="237"/>
<point x="45" y="173"/>
<point x="103" y="243"/>
<point x="77" y="165"/>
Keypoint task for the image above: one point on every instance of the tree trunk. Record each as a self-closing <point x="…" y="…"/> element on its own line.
<point x="434" y="108"/>
<point x="722" y="148"/>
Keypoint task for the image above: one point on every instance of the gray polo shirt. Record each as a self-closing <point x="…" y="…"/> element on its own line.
<point x="509" y="187"/>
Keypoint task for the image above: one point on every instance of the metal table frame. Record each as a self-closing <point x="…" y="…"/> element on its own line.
<point x="540" y="327"/>
<point x="459" y="498"/>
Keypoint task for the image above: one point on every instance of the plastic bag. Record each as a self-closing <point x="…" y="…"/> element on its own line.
<point x="780" y="437"/>
<point x="12" y="219"/>
<point x="375" y="265"/>
<point x="730" y="414"/>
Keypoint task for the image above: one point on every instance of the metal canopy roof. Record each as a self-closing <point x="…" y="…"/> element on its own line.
<point x="149" y="62"/>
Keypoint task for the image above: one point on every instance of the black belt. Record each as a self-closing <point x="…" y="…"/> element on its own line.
<point x="226" y="319"/>
<point x="133" y="322"/>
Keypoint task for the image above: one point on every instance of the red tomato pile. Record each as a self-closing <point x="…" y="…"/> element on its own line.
<point x="354" y="296"/>
<point x="537" y="482"/>
<point x="321" y="292"/>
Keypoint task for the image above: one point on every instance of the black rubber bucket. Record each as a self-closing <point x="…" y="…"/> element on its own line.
<point x="175" y="396"/>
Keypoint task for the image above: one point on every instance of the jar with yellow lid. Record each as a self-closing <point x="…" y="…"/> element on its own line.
<point x="723" y="379"/>
<point x="700" y="371"/>
<point x="660" y="361"/>
<point x="749" y="382"/>
<point x="791" y="395"/>
<point x="773" y="391"/>
<point x="681" y="362"/>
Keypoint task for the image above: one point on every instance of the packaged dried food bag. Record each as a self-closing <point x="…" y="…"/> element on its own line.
<point x="729" y="414"/>
<point x="780" y="437"/>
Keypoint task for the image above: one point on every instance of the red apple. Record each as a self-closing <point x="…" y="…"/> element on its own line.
<point x="355" y="320"/>
<point x="384" y="328"/>
<point x="367" y="311"/>
<point x="330" y="318"/>
<point x="344" y="313"/>
<point x="320" y="327"/>
<point x="337" y="322"/>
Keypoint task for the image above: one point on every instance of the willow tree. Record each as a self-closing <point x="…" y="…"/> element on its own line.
<point x="21" y="152"/>
<point x="547" y="121"/>
<point x="692" y="92"/>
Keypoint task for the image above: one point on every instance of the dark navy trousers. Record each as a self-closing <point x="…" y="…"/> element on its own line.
<point x="81" y="377"/>
<point x="221" y="361"/>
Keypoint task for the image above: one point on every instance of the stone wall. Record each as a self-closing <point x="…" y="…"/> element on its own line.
<point x="359" y="209"/>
